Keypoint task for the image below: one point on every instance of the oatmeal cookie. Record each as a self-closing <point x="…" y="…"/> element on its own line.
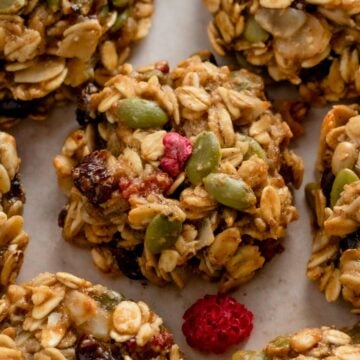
<point x="311" y="43"/>
<point x="62" y="317"/>
<point x="49" y="48"/>
<point x="334" y="263"/>
<point x="309" y="344"/>
<point x="13" y="240"/>
<point x="174" y="173"/>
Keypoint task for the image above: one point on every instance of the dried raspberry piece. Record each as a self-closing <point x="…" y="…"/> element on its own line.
<point x="177" y="150"/>
<point x="216" y="322"/>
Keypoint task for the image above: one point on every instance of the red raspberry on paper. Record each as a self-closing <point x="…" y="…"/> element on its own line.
<point x="215" y="323"/>
<point x="177" y="150"/>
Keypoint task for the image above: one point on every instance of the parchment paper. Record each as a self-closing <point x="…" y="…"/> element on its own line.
<point x="280" y="296"/>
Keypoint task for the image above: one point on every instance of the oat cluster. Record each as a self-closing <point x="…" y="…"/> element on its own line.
<point x="311" y="43"/>
<point x="334" y="199"/>
<point x="49" y="48"/>
<point x="63" y="317"/>
<point x="176" y="173"/>
<point x="13" y="240"/>
<point x="309" y="344"/>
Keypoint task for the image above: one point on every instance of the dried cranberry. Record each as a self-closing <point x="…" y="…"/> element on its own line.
<point x="326" y="183"/>
<point x="177" y="150"/>
<point x="158" y="182"/>
<point x="88" y="348"/>
<point x="127" y="260"/>
<point x="162" y="66"/>
<point x="351" y="241"/>
<point x="215" y="323"/>
<point x="93" y="178"/>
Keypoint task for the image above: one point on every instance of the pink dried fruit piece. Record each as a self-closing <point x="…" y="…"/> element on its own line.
<point x="177" y="150"/>
<point x="215" y="323"/>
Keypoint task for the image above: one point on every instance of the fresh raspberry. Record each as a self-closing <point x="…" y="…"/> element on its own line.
<point x="215" y="323"/>
<point x="177" y="150"/>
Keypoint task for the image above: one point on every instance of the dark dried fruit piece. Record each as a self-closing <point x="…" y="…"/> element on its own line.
<point x="269" y="248"/>
<point x="16" y="108"/>
<point x="88" y="348"/>
<point x="326" y="183"/>
<point x="351" y="241"/>
<point x="93" y="178"/>
<point x="127" y="261"/>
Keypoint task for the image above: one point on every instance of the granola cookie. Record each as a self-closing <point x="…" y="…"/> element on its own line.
<point x="62" y="317"/>
<point x="311" y="43"/>
<point x="311" y="343"/>
<point x="179" y="172"/>
<point x="49" y="48"/>
<point x="334" y="199"/>
<point x="13" y="240"/>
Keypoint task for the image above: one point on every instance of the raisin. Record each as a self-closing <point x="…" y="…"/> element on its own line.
<point x="326" y="183"/>
<point x="269" y="248"/>
<point x="16" y="190"/>
<point x="83" y="116"/>
<point x="92" y="177"/>
<point x="62" y="217"/>
<point x="127" y="261"/>
<point x="316" y="72"/>
<point x="207" y="56"/>
<point x="16" y="108"/>
<point x="351" y="241"/>
<point x="88" y="348"/>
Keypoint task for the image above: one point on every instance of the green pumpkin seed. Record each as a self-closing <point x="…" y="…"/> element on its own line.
<point x="205" y="157"/>
<point x="162" y="233"/>
<point x="343" y="177"/>
<point x="11" y="6"/>
<point x="108" y="300"/>
<point x="54" y="5"/>
<point x="253" y="32"/>
<point x="141" y="114"/>
<point x="244" y="64"/>
<point x="120" y="3"/>
<point x="310" y="188"/>
<point x="281" y="342"/>
<point x="254" y="148"/>
<point x="120" y="20"/>
<point x="229" y="191"/>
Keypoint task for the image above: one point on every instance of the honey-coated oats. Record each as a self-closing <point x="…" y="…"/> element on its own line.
<point x="334" y="199"/>
<point x="63" y="317"/>
<point x="48" y="49"/>
<point x="311" y="43"/>
<point x="176" y="173"/>
<point x="13" y="240"/>
<point x="309" y="344"/>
